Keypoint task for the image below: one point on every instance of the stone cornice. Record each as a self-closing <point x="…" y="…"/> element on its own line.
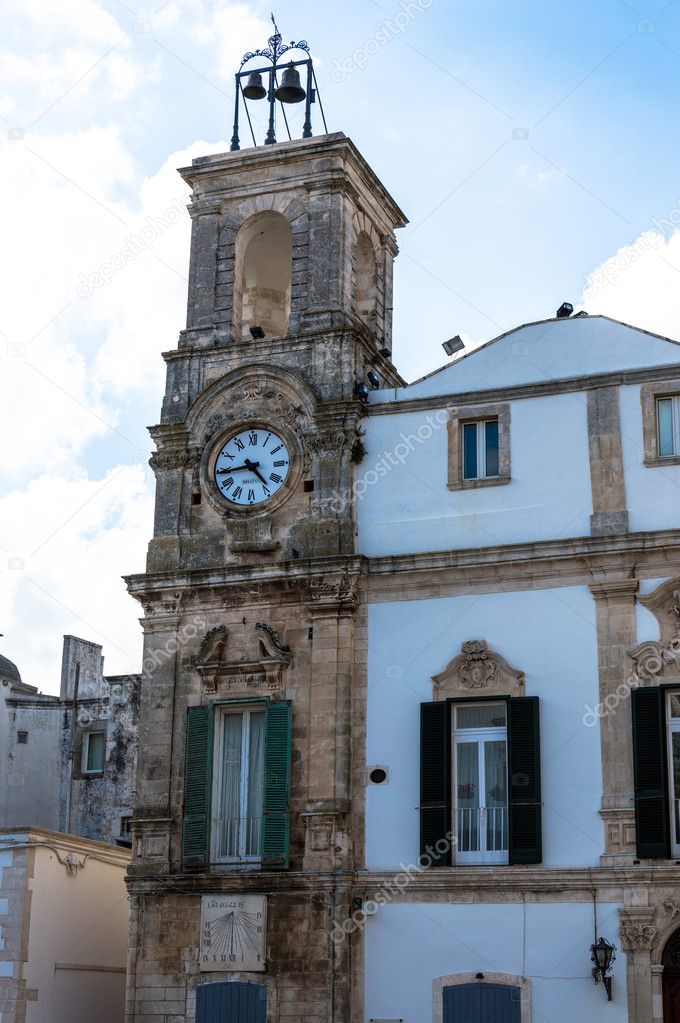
<point x="532" y="390"/>
<point x="488" y="883"/>
<point x="578" y="561"/>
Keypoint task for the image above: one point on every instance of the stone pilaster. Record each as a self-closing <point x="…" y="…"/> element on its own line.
<point x="610" y="514"/>
<point x="616" y="632"/>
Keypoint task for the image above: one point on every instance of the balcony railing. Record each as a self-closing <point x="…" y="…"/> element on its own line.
<point x="238" y="839"/>
<point x="482" y="829"/>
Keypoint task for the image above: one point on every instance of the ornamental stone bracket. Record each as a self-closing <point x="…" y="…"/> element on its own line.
<point x="619" y="834"/>
<point x="664" y="603"/>
<point x="262" y="672"/>
<point x="477" y="669"/>
<point x="636" y="930"/>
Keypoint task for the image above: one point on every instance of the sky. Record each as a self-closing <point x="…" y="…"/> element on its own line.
<point x="533" y="145"/>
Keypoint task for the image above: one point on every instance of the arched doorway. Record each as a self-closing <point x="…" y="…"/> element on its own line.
<point x="671" y="979"/>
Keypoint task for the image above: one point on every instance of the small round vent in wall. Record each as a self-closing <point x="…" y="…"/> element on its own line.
<point x="377" y="775"/>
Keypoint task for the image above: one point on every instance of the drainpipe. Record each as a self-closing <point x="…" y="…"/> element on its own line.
<point x="74" y="716"/>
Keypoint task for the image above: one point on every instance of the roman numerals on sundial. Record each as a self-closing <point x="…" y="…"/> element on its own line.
<point x="251" y="466"/>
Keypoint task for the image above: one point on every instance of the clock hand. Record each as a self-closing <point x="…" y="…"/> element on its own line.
<point x="235" y="468"/>
<point x="253" y="466"/>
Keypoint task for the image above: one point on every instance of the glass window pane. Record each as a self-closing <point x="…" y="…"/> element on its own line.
<point x="481" y="715"/>
<point x="491" y="429"/>
<point x="470" y="451"/>
<point x="96" y="748"/>
<point x="675" y="749"/>
<point x="467" y="796"/>
<point x="665" y="419"/>
<point x="675" y="705"/>
<point x="496" y="794"/>
<point x="255" y="784"/>
<point x="230" y="794"/>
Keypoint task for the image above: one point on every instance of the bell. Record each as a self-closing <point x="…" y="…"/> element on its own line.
<point x="254" y="89"/>
<point x="290" y="90"/>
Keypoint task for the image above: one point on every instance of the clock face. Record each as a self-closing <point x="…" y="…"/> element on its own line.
<point x="252" y="466"/>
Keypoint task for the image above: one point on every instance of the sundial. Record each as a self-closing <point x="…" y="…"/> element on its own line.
<point x="233" y="932"/>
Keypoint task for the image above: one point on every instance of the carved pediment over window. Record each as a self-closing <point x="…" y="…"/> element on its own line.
<point x="660" y="659"/>
<point x="261" y="669"/>
<point x="477" y="669"/>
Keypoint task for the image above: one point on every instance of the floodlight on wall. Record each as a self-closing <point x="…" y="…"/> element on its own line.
<point x="257" y="333"/>
<point x="602" y="955"/>
<point x="290" y="90"/>
<point x="564" y="311"/>
<point x="455" y="344"/>
<point x="361" y="391"/>
<point x="373" y="379"/>
<point x="386" y="353"/>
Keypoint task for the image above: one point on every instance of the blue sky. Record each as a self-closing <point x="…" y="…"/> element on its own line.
<point x="533" y="146"/>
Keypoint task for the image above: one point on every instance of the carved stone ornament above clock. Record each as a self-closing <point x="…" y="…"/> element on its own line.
<point x="261" y="668"/>
<point x="477" y="669"/>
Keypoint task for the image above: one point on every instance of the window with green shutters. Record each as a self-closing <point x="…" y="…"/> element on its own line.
<point x="237" y="784"/>
<point x="480" y="781"/>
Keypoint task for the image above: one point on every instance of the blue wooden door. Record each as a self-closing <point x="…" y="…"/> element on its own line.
<point x="481" y="1003"/>
<point x="235" y="1002"/>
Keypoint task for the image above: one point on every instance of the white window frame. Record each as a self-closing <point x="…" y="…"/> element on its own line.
<point x="218" y="769"/>
<point x="86" y="752"/>
<point x="481" y="856"/>
<point x="675" y="427"/>
<point x="672" y="726"/>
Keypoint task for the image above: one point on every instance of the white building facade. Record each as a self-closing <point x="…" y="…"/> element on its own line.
<point x="520" y="510"/>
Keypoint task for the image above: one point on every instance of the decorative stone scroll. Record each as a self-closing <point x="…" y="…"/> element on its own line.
<point x="659" y="659"/>
<point x="261" y="672"/>
<point x="478" y="669"/>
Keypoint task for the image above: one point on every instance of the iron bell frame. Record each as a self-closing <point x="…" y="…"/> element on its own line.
<point x="273" y="53"/>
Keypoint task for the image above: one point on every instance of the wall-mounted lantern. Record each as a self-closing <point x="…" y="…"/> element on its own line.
<point x="602" y="955"/>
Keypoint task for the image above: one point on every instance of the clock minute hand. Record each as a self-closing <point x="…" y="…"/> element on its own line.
<point x="236" y="468"/>
<point x="253" y="466"/>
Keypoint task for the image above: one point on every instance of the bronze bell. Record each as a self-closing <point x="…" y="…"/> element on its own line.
<point x="290" y="90"/>
<point x="254" y="89"/>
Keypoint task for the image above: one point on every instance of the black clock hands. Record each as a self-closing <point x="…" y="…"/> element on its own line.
<point x="253" y="466"/>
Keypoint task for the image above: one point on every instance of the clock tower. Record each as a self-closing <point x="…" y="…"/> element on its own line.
<point x="248" y="826"/>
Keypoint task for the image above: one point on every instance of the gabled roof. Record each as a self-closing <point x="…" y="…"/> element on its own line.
<point x="554" y="349"/>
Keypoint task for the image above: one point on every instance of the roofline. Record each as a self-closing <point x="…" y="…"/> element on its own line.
<point x="538" y="323"/>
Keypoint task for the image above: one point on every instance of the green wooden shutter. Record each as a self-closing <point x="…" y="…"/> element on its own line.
<point x="197" y="786"/>
<point x="651" y="781"/>
<point x="276" y="806"/>
<point x="524" y="778"/>
<point x="435" y="782"/>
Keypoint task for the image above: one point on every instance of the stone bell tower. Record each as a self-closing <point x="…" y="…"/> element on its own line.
<point x="254" y="620"/>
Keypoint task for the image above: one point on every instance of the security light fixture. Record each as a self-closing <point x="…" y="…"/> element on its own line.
<point x="386" y="352"/>
<point x="564" y="311"/>
<point x="602" y="955"/>
<point x="373" y="379"/>
<point x="257" y="333"/>
<point x="454" y="345"/>
<point x="361" y="391"/>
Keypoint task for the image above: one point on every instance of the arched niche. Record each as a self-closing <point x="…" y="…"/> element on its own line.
<point x="263" y="275"/>
<point x="366" y="279"/>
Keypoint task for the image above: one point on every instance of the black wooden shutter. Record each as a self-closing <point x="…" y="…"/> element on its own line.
<point x="524" y="779"/>
<point x="651" y="779"/>
<point x="435" y="783"/>
<point x="197" y="786"/>
<point x="276" y="807"/>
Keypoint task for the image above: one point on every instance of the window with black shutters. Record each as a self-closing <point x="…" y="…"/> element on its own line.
<point x="480" y="782"/>
<point x="653" y="747"/>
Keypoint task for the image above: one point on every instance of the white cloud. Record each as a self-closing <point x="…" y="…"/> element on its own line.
<point x="73" y="537"/>
<point x="640" y="284"/>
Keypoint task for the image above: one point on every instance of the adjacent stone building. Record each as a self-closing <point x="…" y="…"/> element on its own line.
<point x="409" y="731"/>
<point x="68" y="762"/>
